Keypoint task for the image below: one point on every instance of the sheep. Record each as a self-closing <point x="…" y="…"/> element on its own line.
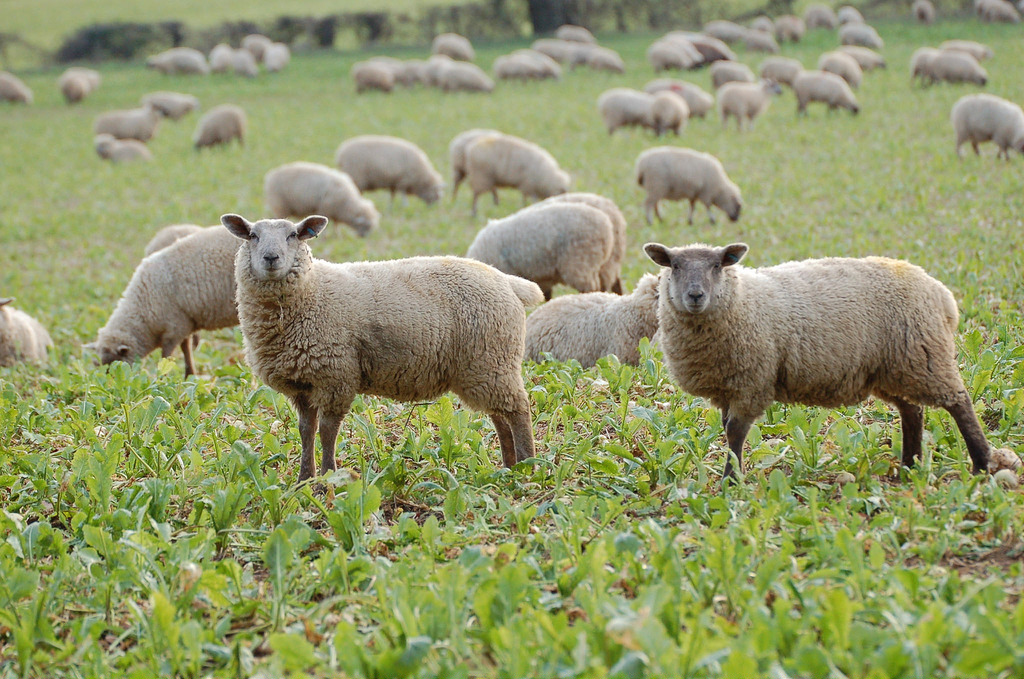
<point x="843" y="65"/>
<point x="595" y="324"/>
<point x="173" y="105"/>
<point x="669" y="112"/>
<point x="820" y="16"/>
<point x="76" y="83"/>
<point x="759" y="41"/>
<point x="709" y="47"/>
<point x="672" y="173"/>
<point x="860" y="34"/>
<point x="605" y="59"/>
<point x="955" y="67"/>
<point x="495" y="161"/>
<point x="730" y="71"/>
<point x="220" y="125"/>
<point x="185" y="287"/>
<point x="726" y="31"/>
<point x="222" y="58"/>
<point x="302" y="188"/>
<point x="866" y="58"/>
<point x="435" y="67"/>
<point x="847" y="14"/>
<point x="623" y="107"/>
<point x="671" y="54"/>
<point x="381" y="162"/>
<point x="117" y="150"/>
<point x="462" y="76"/>
<point x="526" y="65"/>
<point x="457" y="154"/>
<point x="998" y="11"/>
<point x="763" y="23"/>
<point x="179" y="61"/>
<point x="782" y="70"/>
<point x="256" y="45"/>
<point x="407" y="329"/>
<point x="562" y="51"/>
<point x="826" y="332"/>
<point x="789" y="28"/>
<point x="453" y="45"/>
<point x="923" y="11"/>
<point x="920" y="65"/>
<point x="573" y="33"/>
<point x="168" y="235"/>
<point x="372" y="75"/>
<point x="745" y="101"/>
<point x="411" y="72"/>
<point x="979" y="118"/>
<point x="22" y="338"/>
<point x="570" y="243"/>
<point x="136" y="123"/>
<point x="978" y="50"/>
<point x="244" y="63"/>
<point x="698" y="101"/>
<point x="13" y="90"/>
<point x="828" y="88"/>
<point x="276" y="57"/>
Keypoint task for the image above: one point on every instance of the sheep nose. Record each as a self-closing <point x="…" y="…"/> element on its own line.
<point x="695" y="295"/>
<point x="271" y="260"/>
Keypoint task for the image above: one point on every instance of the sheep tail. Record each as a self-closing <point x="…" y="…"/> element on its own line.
<point x="527" y="291"/>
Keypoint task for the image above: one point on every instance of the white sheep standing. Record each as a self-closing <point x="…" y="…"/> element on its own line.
<point x="276" y="57"/>
<point x="760" y="41"/>
<point x="625" y="107"/>
<point x="673" y="173"/>
<point x="860" y="34"/>
<point x="173" y="105"/>
<point x="136" y="123"/>
<point x="222" y="58"/>
<point x="219" y="126"/>
<point x="746" y="101"/>
<point x="462" y="76"/>
<point x="595" y="324"/>
<point x="672" y="54"/>
<point x="76" y="83"/>
<point x="22" y="338"/>
<point x="409" y="329"/>
<point x="763" y="23"/>
<point x="256" y="44"/>
<point x="244" y="63"/>
<point x="373" y="75"/>
<point x="826" y="332"/>
<point x="605" y="59"/>
<point x="669" y="112"/>
<point x="920" y="65"/>
<point x="457" y="154"/>
<point x="179" y="61"/>
<point x="867" y="58"/>
<point x="843" y="65"/>
<point x="168" y="235"/>
<point x="723" y="72"/>
<point x="568" y="243"/>
<point x="496" y="161"/>
<point x="382" y="162"/>
<point x="109" y="147"/>
<point x="817" y="15"/>
<point x="923" y="11"/>
<point x="953" y="66"/>
<point x="698" y="101"/>
<point x="789" y="27"/>
<point x="453" y="45"/>
<point x="13" y="90"/>
<point x="827" y="88"/>
<point x="302" y="188"/>
<point x="979" y="118"/>
<point x="998" y="11"/>
<point x="781" y="69"/>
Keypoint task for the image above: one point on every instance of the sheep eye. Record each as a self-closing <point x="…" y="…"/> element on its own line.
<point x="293" y="236"/>
<point x="717" y="267"/>
<point x="254" y="238"/>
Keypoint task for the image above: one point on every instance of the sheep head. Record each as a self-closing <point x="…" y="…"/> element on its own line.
<point x="273" y="244"/>
<point x="695" y="273"/>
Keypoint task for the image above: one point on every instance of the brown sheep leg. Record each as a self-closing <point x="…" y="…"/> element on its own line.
<point x="970" y="428"/>
<point x="617" y="286"/>
<point x="186" y="349"/>
<point x="693" y="205"/>
<point x="329" y="426"/>
<point x="912" y="423"/>
<point x="472" y="209"/>
<point x="736" y="430"/>
<point x="494" y="194"/>
<point x="308" y="416"/>
<point x="456" y="181"/>
<point x="519" y="427"/>
<point x="505" y="439"/>
<point x="546" y="289"/>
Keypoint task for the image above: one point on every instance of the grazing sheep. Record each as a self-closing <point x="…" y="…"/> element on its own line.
<point x="276" y="57"/>
<point x="244" y="63"/>
<point x="595" y="324"/>
<point x="625" y="107"/>
<point x="573" y="33"/>
<point x="562" y="51"/>
<point x="843" y="65"/>
<point x="759" y="41"/>
<point x="457" y="154"/>
<point x="827" y="88"/>
<point x="76" y="83"/>
<point x="411" y="72"/>
<point x="179" y="61"/>
<point x="920" y="65"/>
<point x="302" y="188"/>
<point x="526" y="65"/>
<point x="256" y="45"/>
<point x="570" y="243"/>
<point x="826" y="332"/>
<point x="860" y="34"/>
<point x="847" y="14"/>
<point x="866" y="58"/>
<point x="978" y="50"/>
<point x="781" y="69"/>
<point x="409" y="329"/>
<point x="730" y="71"/>
<point x="136" y="123"/>
<point x="380" y="162"/>
<point x="745" y="101"/>
<point x="763" y="23"/>
<point x="709" y="47"/>
<point x="222" y="58"/>
<point x="22" y="338"/>
<point x="186" y="287"/>
<point x="672" y="173"/>
<point x="669" y="112"/>
<point x="923" y="11"/>
<point x="13" y="90"/>
<point x="453" y="45"/>
<point x="978" y="118"/>
<point x="117" y="150"/>
<point x="373" y="75"/>
<point x="998" y="11"/>
<point x="605" y="59"/>
<point x="173" y="105"/>
<point x="698" y="101"/>
<point x="954" y="67"/>
<point x="726" y="31"/>
<point x="168" y="235"/>
<point x="789" y="28"/>
<point x="496" y="161"/>
<point x="220" y="125"/>
<point x="673" y="54"/>
<point x="820" y="16"/>
<point x="462" y="76"/>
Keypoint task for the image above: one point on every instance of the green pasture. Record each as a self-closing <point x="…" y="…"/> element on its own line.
<point x="151" y="525"/>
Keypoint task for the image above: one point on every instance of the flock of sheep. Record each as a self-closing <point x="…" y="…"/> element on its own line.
<point x="319" y="333"/>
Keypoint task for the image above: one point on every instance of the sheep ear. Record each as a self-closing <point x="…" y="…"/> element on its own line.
<point x="4" y="301"/>
<point x="311" y="226"/>
<point x="658" y="254"/>
<point x="237" y="225"/>
<point x="732" y="254"/>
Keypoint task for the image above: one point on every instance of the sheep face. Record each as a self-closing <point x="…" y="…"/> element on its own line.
<point x="728" y="200"/>
<point x="273" y="244"/>
<point x="695" y="273"/>
<point x="431" y="194"/>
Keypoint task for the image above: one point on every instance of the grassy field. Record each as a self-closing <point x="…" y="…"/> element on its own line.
<point x="152" y="527"/>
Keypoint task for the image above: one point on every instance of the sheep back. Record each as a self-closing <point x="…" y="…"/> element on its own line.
<point x="979" y="118"/>
<point x="494" y="161"/>
<point x="170" y="234"/>
<point x="302" y="188"/>
<point x="22" y="338"/>
<point x="220" y="125"/>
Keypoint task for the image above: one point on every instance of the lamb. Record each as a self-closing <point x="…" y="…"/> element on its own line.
<point x="276" y="57"/>
<point x="978" y="50"/>
<point x="117" y="150"/>
<point x="923" y="11"/>
<point x="871" y="326"/>
<point x="726" y="31"/>
<point x="457" y="154"/>
<point x="789" y="27"/>
<point x="222" y="58"/>
<point x="781" y="69"/>
<point x="759" y="41"/>
<point x="407" y="329"/>
<point x="605" y="59"/>
<point x="381" y="162"/>
<point x="136" y="123"/>
<point x="860" y="34"/>
<point x="866" y="58"/>
<point x="495" y="161"/>
<point x="179" y="61"/>
<point x="186" y="287"/>
<point x="828" y="88"/>
<point x="453" y="45"/>
<point x="745" y="101"/>
<point x="847" y="14"/>
<point x="573" y="33"/>
<point x="309" y="188"/>
<point x="22" y="338"/>
<point x="373" y="75"/>
<point x="76" y="83"/>
<point x="173" y="105"/>
<point x="461" y="76"/>
<point x="595" y="324"/>
<point x="820" y="16"/>
<point x="13" y="90"/>
<point x="568" y="243"/>
<point x="955" y="67"/>
<point x="256" y="45"/>
<point x="220" y="125"/>
<point x="244" y="63"/>
<point x="998" y="11"/>
<point x="978" y="118"/>
<point x="843" y="65"/>
<point x="698" y="101"/>
<point x="170" y="234"/>
<point x="730" y="71"/>
<point x="672" y="173"/>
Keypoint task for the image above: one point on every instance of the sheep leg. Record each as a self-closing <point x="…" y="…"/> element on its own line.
<point x="330" y="423"/>
<point x="506" y="440"/>
<point x="186" y="349"/>
<point x="711" y="215"/>
<point x="974" y="145"/>
<point x="649" y="206"/>
<point x="736" y="430"/>
<point x="494" y="194"/>
<point x="472" y="209"/>
<point x="693" y="205"/>
<point x="391" y="205"/>
<point x="912" y="422"/>
<point x="617" y="286"/>
<point x="456" y="181"/>
<point x="517" y="439"/>
<point x="962" y="411"/>
<point x="546" y="289"/>
<point x="308" y="416"/>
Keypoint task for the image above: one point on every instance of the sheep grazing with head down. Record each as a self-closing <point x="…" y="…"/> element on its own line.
<point x="409" y="329"/>
<point x="789" y="28"/>
<point x="843" y="65"/>
<point x="173" y="105"/>
<point x="867" y="58"/>
<point x="723" y="72"/>
<point x="746" y="101"/>
<point x="671" y="173"/>
<point x="179" y="61"/>
<point x="860" y="34"/>
<point x="256" y="44"/>
<point x="457" y="154"/>
<point x="979" y="118"/>
<point x="979" y="51"/>
<point x="76" y="83"/>
<point x="826" y="332"/>
<point x="13" y="90"/>
<point x="136" y="123"/>
<point x="381" y="162"/>
<point x="573" y="33"/>
<point x="923" y="11"/>
<point x="22" y="338"/>
<point x="827" y="88"/>
<point x="109" y="147"/>
<point x="783" y="70"/>
<point x="848" y="14"/>
<point x="698" y="102"/>
<point x="453" y="45"/>
<point x="276" y="57"/>
<point x="302" y="188"/>
<point x="219" y="126"/>
<point x="817" y="15"/>
<point x="496" y="161"/>
<point x="222" y="58"/>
